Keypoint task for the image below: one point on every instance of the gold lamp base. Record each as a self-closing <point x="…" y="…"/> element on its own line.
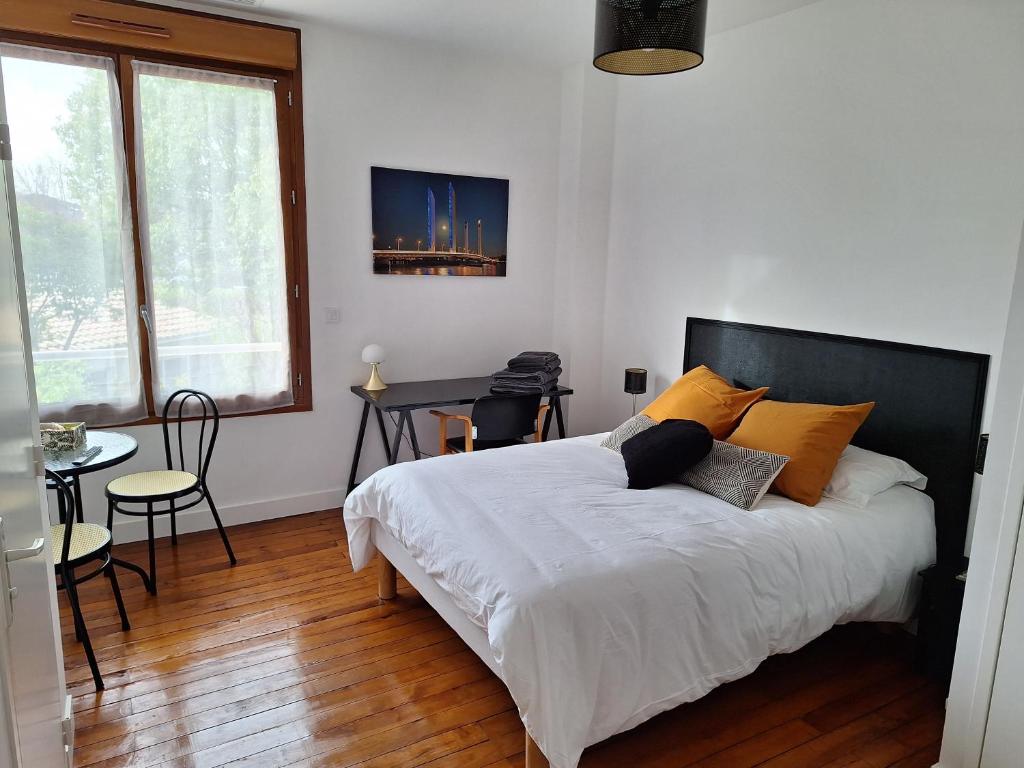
<point x="375" y="382"/>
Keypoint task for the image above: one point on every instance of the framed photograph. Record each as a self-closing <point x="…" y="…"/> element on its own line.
<point x="438" y="224"/>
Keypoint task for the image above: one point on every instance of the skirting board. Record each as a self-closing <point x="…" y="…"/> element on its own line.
<point x="198" y="518"/>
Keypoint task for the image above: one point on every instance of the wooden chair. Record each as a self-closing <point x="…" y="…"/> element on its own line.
<point x="496" y="421"/>
<point x="169" y="486"/>
<point x="75" y="545"/>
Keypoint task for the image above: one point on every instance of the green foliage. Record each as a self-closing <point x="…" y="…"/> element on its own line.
<point x="60" y="381"/>
<point x="214" y="205"/>
<point x="70" y="220"/>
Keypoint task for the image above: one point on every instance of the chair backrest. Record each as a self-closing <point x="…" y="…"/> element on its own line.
<point x="184" y="406"/>
<point x="65" y="509"/>
<point x="505" y="417"/>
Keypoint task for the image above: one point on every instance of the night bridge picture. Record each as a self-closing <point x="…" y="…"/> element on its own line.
<point x="465" y="235"/>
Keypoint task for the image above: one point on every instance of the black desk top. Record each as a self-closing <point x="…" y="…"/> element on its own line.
<point x="411" y="395"/>
<point x="117" y="447"/>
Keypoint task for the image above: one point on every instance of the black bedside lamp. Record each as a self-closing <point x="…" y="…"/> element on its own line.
<point x="636" y="383"/>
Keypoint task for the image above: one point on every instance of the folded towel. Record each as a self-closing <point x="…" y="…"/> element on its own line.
<point x="530" y="380"/>
<point x="526" y="377"/>
<point x="534" y="361"/>
<point x="521" y="389"/>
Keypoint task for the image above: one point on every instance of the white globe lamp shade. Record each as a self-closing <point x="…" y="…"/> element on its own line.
<point x="373" y="353"/>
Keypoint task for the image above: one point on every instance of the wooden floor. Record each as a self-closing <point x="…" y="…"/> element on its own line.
<point x="288" y="659"/>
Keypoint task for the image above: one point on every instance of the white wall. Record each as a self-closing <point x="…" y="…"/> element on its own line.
<point x="376" y="102"/>
<point x="846" y="167"/>
<point x="853" y="168"/>
<point x="584" y="213"/>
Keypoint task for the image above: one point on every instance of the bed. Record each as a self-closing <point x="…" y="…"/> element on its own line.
<point x="600" y="607"/>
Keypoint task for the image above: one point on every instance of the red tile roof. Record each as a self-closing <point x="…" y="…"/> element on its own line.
<point x="106" y="329"/>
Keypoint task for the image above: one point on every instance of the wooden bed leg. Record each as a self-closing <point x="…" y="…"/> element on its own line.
<point x="387" y="579"/>
<point x="534" y="757"/>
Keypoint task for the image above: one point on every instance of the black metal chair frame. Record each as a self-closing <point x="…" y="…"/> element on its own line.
<point x="116" y="502"/>
<point x="69" y="580"/>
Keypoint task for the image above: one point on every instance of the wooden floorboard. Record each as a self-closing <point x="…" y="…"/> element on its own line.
<point x="288" y="659"/>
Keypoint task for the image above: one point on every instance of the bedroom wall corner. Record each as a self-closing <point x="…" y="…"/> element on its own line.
<point x="587" y="149"/>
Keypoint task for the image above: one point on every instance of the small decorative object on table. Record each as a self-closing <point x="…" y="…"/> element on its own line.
<point x="374" y="355"/>
<point x="636" y="383"/>
<point x="58" y="438"/>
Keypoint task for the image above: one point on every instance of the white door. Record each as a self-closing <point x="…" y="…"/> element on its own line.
<point x="31" y="661"/>
<point x="1004" y="738"/>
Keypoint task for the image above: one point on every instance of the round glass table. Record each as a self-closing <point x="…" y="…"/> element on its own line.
<point x="115" y="448"/>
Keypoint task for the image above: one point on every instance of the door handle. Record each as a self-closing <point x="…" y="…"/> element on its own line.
<point x="10" y="556"/>
<point x="144" y="314"/>
<point x="7" y="592"/>
<point x="21" y="554"/>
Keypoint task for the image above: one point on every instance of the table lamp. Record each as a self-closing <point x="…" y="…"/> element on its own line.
<point x="636" y="383"/>
<point x="374" y="355"/>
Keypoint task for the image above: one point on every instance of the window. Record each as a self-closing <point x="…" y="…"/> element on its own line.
<point x="158" y="202"/>
<point x="213" y="231"/>
<point x="75" y="219"/>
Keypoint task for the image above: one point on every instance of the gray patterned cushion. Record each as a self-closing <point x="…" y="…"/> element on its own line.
<point x="740" y="476"/>
<point x="627" y="429"/>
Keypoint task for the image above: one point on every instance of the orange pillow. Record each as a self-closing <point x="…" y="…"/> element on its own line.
<point x="813" y="436"/>
<point x="704" y="396"/>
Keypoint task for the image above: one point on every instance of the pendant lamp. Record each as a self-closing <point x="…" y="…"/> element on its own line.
<point x="649" y="37"/>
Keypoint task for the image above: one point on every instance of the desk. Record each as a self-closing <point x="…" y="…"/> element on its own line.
<point x="409" y="396"/>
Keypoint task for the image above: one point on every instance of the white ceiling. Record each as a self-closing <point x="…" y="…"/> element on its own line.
<point x="550" y="32"/>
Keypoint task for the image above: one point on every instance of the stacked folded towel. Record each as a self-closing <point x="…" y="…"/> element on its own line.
<point x="528" y="373"/>
<point x="534" y="361"/>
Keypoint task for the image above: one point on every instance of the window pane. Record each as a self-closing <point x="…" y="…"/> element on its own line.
<point x="75" y="223"/>
<point x="213" y="234"/>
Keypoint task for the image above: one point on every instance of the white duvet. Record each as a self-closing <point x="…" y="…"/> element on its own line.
<point x="605" y="606"/>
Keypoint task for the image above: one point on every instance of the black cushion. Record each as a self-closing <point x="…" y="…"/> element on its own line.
<point x="662" y="453"/>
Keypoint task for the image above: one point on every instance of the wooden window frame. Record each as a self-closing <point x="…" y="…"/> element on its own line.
<point x="288" y="98"/>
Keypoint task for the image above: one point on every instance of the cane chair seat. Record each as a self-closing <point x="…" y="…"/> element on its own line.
<point x="86" y="540"/>
<point x="157" y="483"/>
<point x="190" y="416"/>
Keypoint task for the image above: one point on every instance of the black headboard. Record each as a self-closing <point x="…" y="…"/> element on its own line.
<point x="929" y="401"/>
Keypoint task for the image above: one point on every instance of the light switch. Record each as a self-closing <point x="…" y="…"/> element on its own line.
<point x="332" y="315"/>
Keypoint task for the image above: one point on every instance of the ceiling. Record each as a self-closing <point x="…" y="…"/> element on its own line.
<point x="550" y="32"/>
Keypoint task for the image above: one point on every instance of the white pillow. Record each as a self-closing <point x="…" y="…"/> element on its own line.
<point x="862" y="474"/>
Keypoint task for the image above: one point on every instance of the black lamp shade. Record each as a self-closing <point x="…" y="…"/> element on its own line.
<point x="649" y="37"/>
<point x="636" y="381"/>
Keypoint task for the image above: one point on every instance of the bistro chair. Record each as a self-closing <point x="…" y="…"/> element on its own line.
<point x="169" y="491"/>
<point x="496" y="421"/>
<point x="76" y="545"/>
